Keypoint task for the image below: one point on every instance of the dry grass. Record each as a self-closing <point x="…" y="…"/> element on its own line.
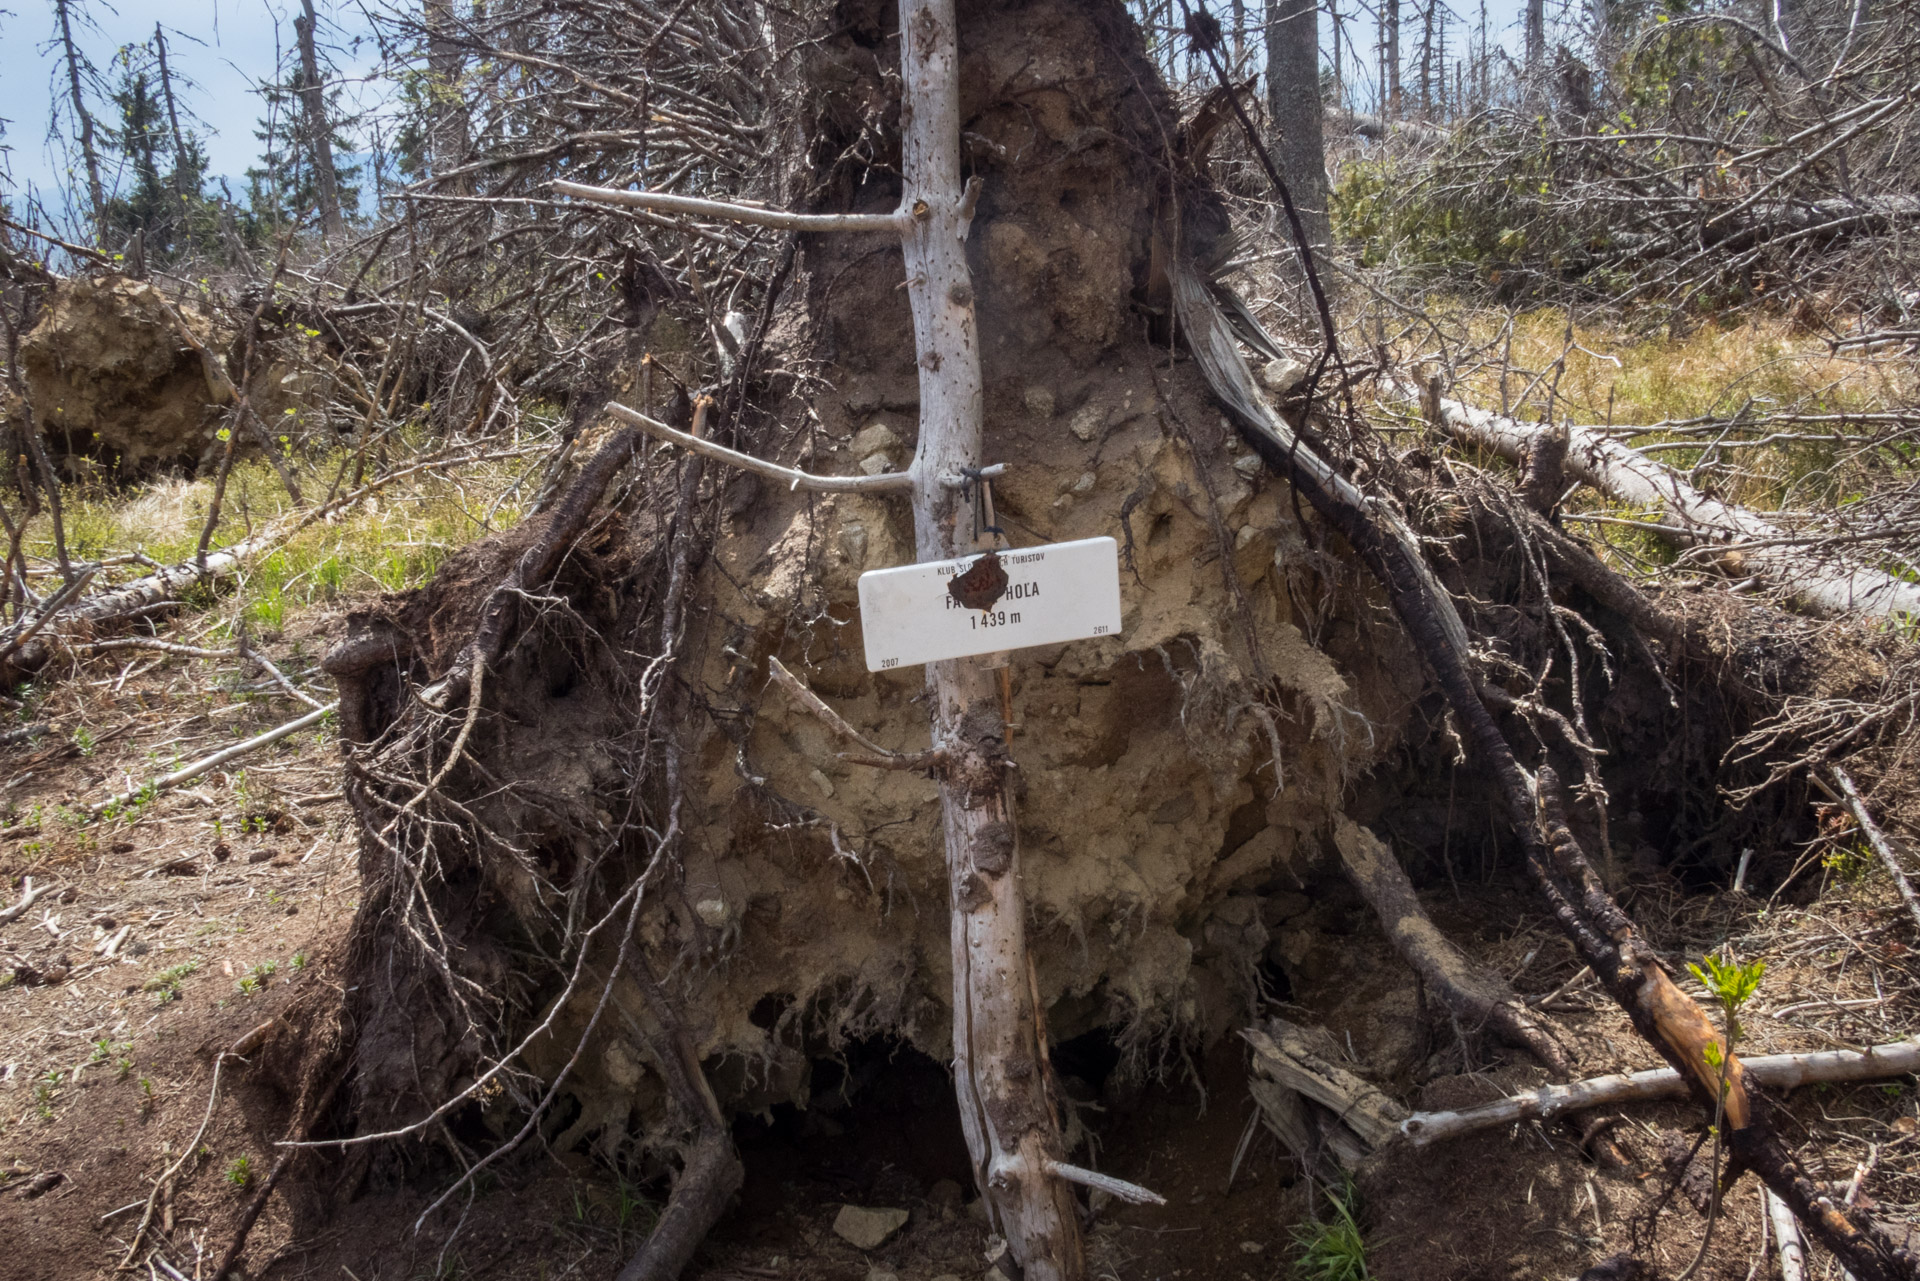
<point x="391" y="541"/>
<point x="1596" y="371"/>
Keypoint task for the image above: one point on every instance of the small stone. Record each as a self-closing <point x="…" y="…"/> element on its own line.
<point x="875" y="438"/>
<point x="867" y="1228"/>
<point x="977" y="1209"/>
<point x="712" y="911"/>
<point x="874" y="464"/>
<point x="1246" y="535"/>
<point x="1086" y="482"/>
<point x="1249" y="465"/>
<point x="1281" y="376"/>
<point x="853" y="541"/>
<point x="821" y="781"/>
<point x="1039" y="402"/>
<point x="1086" y="424"/>
<point x="881" y="1274"/>
<point x="1252" y="1247"/>
<point x="944" y="1195"/>
<point x="947" y="1276"/>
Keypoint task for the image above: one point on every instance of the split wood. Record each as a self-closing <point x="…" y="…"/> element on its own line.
<point x="1000" y="1046"/>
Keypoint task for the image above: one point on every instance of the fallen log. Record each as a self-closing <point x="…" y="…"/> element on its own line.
<point x="120" y="604"/>
<point x="1362" y="124"/>
<point x="1827" y="585"/>
<point x="1360" y="1120"/>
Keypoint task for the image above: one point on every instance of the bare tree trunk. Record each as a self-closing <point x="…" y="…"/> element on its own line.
<point x="313" y="119"/>
<point x="1339" y="57"/>
<point x="1426" y="61"/>
<point x="173" y="116"/>
<point x="1000" y="1067"/>
<point x="448" y="132"/>
<point x="1390" y="58"/>
<point x="1536" y="41"/>
<point x="95" y="192"/>
<point x="1293" y="101"/>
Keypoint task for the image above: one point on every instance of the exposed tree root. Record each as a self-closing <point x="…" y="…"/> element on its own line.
<point x="1475" y="999"/>
<point x="1600" y="931"/>
<point x="711" y="1172"/>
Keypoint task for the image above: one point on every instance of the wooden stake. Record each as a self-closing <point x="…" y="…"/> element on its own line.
<point x="1000" y="1060"/>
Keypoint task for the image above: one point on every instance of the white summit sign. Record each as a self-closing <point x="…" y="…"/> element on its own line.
<point x="1056" y="592"/>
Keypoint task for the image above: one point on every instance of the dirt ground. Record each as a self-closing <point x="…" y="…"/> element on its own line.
<point x="226" y="905"/>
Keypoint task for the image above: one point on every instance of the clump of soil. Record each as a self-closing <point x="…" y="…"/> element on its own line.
<point x="112" y="380"/>
<point x="1173" y="774"/>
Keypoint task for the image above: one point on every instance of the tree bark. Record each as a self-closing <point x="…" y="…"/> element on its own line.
<point x="173" y="123"/>
<point x="447" y="133"/>
<point x="313" y="121"/>
<point x="1000" y="1066"/>
<point x="96" y="193"/>
<point x="1293" y="102"/>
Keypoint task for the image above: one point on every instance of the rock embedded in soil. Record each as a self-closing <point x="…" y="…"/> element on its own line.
<point x="868" y="1228"/>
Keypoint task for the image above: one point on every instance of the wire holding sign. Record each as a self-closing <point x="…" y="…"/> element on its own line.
<point x="1056" y="592"/>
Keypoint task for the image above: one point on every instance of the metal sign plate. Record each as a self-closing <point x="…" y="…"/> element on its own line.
<point x="1055" y="592"/>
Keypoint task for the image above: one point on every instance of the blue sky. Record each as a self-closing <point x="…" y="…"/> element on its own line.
<point x="225" y="46"/>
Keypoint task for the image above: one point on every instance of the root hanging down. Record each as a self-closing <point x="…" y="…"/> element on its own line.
<point x="1474" y="999"/>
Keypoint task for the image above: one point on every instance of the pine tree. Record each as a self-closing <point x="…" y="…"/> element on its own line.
<point x="284" y="188"/>
<point x="165" y="166"/>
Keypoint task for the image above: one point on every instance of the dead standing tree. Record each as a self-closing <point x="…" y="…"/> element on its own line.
<point x="1000" y="1052"/>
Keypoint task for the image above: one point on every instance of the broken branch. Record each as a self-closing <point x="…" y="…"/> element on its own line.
<point x="1777" y="1071"/>
<point x="29" y="895"/>
<point x="187" y="773"/>
<point x="931" y="759"/>
<point x="1119" y="1189"/>
<point x="727" y="211"/>
<point x="893" y="481"/>
<point x="1877" y="839"/>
